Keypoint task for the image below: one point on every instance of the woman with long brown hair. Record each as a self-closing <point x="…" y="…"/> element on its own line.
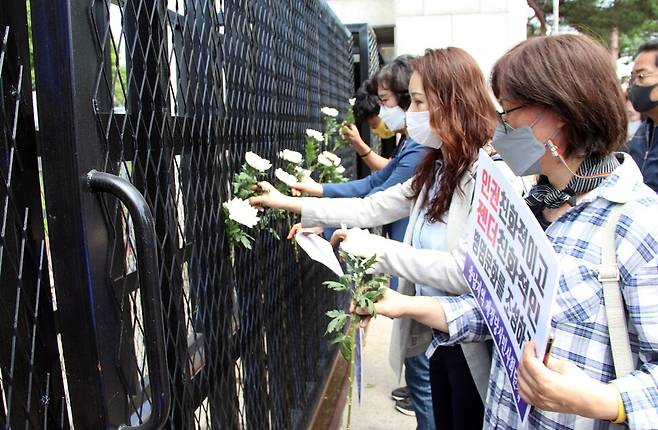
<point x="452" y="113"/>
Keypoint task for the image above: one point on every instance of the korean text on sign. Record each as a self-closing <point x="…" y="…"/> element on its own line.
<point x="511" y="269"/>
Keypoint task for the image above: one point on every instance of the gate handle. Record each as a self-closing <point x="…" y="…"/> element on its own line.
<point x="147" y="266"/>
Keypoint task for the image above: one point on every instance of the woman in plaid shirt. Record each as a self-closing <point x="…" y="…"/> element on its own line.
<point x="561" y="93"/>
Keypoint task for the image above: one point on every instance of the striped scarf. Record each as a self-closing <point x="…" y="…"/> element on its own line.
<point x="544" y="195"/>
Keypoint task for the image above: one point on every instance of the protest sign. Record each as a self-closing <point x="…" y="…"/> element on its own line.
<point x="511" y="269"/>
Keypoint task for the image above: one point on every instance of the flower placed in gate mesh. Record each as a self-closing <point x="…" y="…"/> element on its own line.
<point x="291" y="156"/>
<point x="252" y="171"/>
<point x="239" y="213"/>
<point x="351" y="101"/>
<point x="242" y="212"/>
<point x="329" y="159"/>
<point x="317" y="135"/>
<point x="314" y="139"/>
<point x="329" y="168"/>
<point x="329" y="111"/>
<point x="258" y="163"/>
<point x="330" y="125"/>
<point x="285" y="177"/>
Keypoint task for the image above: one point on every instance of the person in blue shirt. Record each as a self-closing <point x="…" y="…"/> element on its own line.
<point x="392" y="87"/>
<point x="643" y="94"/>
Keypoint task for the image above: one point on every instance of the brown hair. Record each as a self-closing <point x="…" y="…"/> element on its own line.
<point x="462" y="114"/>
<point x="573" y="76"/>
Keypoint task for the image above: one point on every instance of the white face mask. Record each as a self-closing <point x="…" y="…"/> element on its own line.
<point x="418" y="128"/>
<point x="393" y="117"/>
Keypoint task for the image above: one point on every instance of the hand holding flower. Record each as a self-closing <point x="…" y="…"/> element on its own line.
<point x="273" y="198"/>
<point x="309" y="186"/>
<point x="391" y="304"/>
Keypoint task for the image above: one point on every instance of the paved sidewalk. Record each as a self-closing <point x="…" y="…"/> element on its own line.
<point x="377" y="410"/>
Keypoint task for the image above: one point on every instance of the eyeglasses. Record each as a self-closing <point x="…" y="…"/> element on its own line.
<point x="638" y="78"/>
<point x="502" y="114"/>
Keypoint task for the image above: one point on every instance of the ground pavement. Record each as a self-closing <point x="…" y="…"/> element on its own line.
<point x="377" y="410"/>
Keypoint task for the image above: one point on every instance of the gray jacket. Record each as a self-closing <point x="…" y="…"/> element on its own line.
<point x="442" y="270"/>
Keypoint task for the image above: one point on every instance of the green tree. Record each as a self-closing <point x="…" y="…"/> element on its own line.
<point x="118" y="76"/>
<point x="620" y="24"/>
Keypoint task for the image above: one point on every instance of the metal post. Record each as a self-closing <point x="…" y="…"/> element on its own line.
<point x="67" y="137"/>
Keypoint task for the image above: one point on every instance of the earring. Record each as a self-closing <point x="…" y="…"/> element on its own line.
<point x="555" y="151"/>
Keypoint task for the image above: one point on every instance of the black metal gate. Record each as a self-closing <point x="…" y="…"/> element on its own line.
<point x="31" y="389"/>
<point x="145" y="111"/>
<point x="366" y="64"/>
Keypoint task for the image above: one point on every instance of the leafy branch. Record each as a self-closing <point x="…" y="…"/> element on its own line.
<point x="364" y="290"/>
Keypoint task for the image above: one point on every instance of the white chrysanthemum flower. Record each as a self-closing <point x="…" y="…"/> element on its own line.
<point x="327" y="158"/>
<point x="340" y="170"/>
<point x="242" y="212"/>
<point x="360" y="243"/>
<point x="291" y="156"/>
<point x="352" y="100"/>
<point x="322" y="159"/>
<point x="285" y="177"/>
<point x="329" y="111"/>
<point x="258" y="163"/>
<point x="317" y="135"/>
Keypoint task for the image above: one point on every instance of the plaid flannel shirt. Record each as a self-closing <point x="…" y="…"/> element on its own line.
<point x="579" y="318"/>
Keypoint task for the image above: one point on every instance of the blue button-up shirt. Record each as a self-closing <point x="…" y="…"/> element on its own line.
<point x="429" y="235"/>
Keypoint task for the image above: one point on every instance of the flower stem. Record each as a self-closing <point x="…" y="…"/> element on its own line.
<point x="354" y="321"/>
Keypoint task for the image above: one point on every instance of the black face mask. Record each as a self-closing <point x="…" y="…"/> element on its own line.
<point x="641" y="98"/>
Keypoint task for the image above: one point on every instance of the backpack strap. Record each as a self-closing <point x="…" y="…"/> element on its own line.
<point x="614" y="303"/>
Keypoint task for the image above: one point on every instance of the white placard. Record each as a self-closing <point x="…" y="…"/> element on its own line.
<point x="511" y="269"/>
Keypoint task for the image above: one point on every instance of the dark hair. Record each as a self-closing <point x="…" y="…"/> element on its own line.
<point x="573" y="76"/>
<point x="395" y="77"/>
<point x="462" y="114"/>
<point x="650" y="46"/>
<point x="366" y="103"/>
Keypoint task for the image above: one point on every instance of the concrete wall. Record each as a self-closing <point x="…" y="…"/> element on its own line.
<point x="485" y="28"/>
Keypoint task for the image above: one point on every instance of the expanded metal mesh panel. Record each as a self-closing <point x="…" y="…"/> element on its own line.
<point x="373" y="53"/>
<point x="183" y="90"/>
<point x="31" y="389"/>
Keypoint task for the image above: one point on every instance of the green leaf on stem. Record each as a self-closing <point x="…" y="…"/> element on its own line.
<point x="347" y="348"/>
<point x="336" y="286"/>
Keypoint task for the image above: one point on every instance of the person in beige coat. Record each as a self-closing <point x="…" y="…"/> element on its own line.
<point x="452" y="113"/>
